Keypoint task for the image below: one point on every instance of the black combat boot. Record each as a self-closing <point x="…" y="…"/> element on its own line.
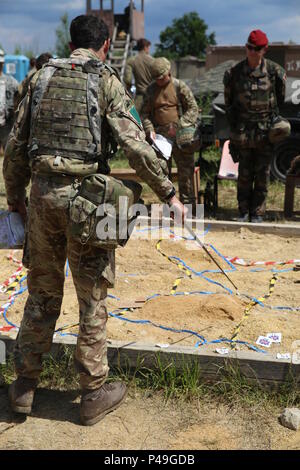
<point x="95" y="404"/>
<point x="21" y="393"/>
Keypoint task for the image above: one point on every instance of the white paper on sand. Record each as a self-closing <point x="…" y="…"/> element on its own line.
<point x="264" y="341"/>
<point x="283" y="356"/>
<point x="274" y="337"/>
<point x="222" y="351"/>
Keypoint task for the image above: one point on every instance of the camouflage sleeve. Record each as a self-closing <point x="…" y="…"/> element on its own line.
<point x="146" y="111"/>
<point x="11" y="93"/>
<point x="22" y="90"/>
<point x="280" y="85"/>
<point x="128" y="73"/>
<point x="127" y="129"/>
<point x="228" y="97"/>
<point x="189" y="106"/>
<point x="16" y="169"/>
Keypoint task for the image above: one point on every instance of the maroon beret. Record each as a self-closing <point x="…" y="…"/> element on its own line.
<point x="258" y="38"/>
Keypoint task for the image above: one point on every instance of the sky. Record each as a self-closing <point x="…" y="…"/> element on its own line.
<point x="32" y="23"/>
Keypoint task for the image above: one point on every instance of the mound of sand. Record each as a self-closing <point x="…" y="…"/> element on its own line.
<point x="194" y="308"/>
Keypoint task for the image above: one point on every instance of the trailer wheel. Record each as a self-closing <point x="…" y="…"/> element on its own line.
<point x="283" y="155"/>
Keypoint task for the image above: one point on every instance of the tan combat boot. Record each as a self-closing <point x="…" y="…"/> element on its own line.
<point x="21" y="393"/>
<point x="95" y="404"/>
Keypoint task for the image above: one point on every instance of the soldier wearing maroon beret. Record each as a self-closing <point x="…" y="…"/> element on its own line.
<point x="254" y="89"/>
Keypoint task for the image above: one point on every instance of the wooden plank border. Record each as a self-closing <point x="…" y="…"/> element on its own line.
<point x="263" y="368"/>
<point x="284" y="230"/>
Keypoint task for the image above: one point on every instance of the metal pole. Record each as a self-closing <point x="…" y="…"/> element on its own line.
<point x="142" y="7"/>
<point x="187" y="226"/>
<point x="88" y="5"/>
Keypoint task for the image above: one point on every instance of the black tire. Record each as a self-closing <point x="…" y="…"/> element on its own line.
<point x="283" y="155"/>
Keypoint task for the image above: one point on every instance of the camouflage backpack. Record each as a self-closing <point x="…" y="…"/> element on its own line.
<point x="100" y="212"/>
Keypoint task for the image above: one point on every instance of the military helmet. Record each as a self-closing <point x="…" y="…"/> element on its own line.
<point x="2" y="56"/>
<point x="160" y="68"/>
<point x="188" y="138"/>
<point x="279" y="130"/>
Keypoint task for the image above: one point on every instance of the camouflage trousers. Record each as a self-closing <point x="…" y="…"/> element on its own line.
<point x="49" y="244"/>
<point x="253" y="178"/>
<point x="185" y="163"/>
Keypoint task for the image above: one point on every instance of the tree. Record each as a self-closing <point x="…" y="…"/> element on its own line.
<point x="27" y="51"/>
<point x="63" y="37"/>
<point x="186" y="36"/>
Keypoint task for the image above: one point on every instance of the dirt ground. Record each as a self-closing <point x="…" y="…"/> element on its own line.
<point x="141" y="423"/>
<point x="143" y="272"/>
<point x="146" y="421"/>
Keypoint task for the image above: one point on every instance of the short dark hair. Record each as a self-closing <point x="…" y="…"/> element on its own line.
<point x="89" y="32"/>
<point x="32" y="61"/>
<point x="43" y="59"/>
<point x="142" y="43"/>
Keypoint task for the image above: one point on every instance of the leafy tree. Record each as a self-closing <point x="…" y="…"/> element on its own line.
<point x="186" y="36"/>
<point x="63" y="37"/>
<point x="27" y="51"/>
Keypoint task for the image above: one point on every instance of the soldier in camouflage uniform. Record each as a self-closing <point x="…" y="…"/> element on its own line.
<point x="139" y="66"/>
<point x="254" y="88"/>
<point x="23" y="87"/>
<point x="63" y="131"/>
<point x="169" y="105"/>
<point x="8" y="90"/>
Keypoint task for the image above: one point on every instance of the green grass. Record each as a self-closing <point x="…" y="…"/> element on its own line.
<point x="231" y="387"/>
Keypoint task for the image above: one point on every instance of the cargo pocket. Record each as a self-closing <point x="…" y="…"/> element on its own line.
<point x="82" y="219"/>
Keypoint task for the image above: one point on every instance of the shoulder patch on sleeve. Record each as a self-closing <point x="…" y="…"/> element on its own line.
<point x="135" y="115"/>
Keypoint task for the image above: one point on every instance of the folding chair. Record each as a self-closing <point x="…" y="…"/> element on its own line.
<point x="228" y="170"/>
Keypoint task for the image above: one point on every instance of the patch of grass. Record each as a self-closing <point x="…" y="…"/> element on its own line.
<point x="119" y="160"/>
<point x="209" y="165"/>
<point x="164" y="377"/>
<point x="7" y="372"/>
<point x="230" y="387"/>
<point x="59" y="372"/>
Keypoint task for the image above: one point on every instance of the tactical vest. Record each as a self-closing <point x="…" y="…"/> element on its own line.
<point x="254" y="95"/>
<point x="65" y="113"/>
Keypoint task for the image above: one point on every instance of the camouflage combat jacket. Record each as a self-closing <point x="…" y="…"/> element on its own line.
<point x="117" y="116"/>
<point x="8" y="89"/>
<point x="187" y="106"/>
<point x="23" y="87"/>
<point x="252" y="98"/>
